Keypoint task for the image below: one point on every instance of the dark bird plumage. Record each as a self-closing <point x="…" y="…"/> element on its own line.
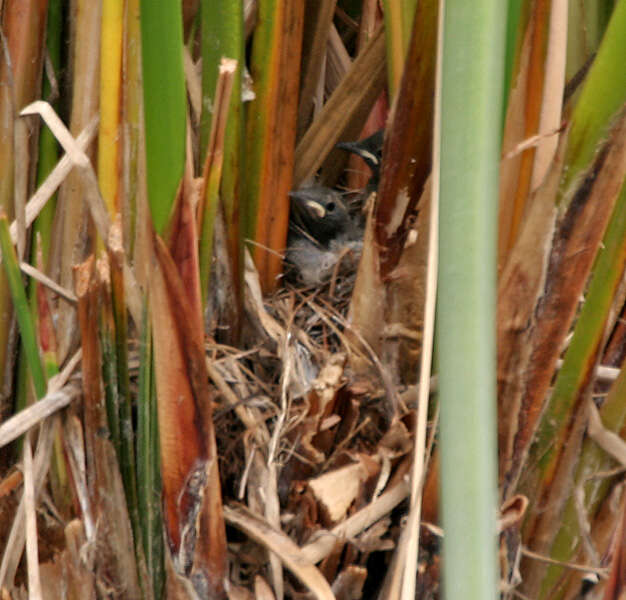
<point x="370" y="149"/>
<point x="321" y="212"/>
<point x="320" y="231"/>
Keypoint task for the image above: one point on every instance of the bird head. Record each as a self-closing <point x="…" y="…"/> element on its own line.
<point x="321" y="212"/>
<point x="370" y="149"/>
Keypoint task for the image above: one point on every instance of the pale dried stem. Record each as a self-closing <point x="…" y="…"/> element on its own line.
<point x="55" y="399"/>
<point x="49" y="283"/>
<point x="325" y="541"/>
<point x="30" y="516"/>
<point x="409" y="561"/>
<point x="15" y="542"/>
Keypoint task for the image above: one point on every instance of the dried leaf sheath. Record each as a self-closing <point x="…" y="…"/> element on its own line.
<point x="191" y="488"/>
<point x="115" y="562"/>
<point x="572" y="247"/>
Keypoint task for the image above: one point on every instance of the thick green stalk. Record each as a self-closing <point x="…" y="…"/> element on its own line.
<point x="165" y="104"/>
<point x="472" y="74"/>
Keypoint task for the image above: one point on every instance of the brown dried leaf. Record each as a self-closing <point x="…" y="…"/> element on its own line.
<point x="578" y="233"/>
<point x="336" y="490"/>
<point x="191" y="488"/>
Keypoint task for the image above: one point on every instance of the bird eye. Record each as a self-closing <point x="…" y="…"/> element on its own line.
<point x="330" y="206"/>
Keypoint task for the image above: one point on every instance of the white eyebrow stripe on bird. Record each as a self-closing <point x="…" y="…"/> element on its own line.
<point x="317" y="208"/>
<point x="366" y="154"/>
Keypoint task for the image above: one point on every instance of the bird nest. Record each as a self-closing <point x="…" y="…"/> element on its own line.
<point x="307" y="445"/>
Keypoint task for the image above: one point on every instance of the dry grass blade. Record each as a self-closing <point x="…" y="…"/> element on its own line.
<point x="49" y="283"/>
<point x="55" y="399"/>
<point x="73" y="230"/>
<point x="408" y="159"/>
<point x="281" y="545"/>
<point x="608" y="440"/>
<point x="345" y="110"/>
<point x="21" y="183"/>
<point x="534" y="108"/>
<point x="554" y="84"/>
<point x="337" y="63"/>
<point x="22" y="46"/>
<point x="93" y="197"/>
<point x="78" y="157"/>
<point x="616" y="586"/>
<point x="314" y="42"/>
<point x="32" y="554"/>
<point x="15" y="542"/>
<point x="390" y="281"/>
<point x="419" y="460"/>
<point x="194" y="85"/>
<point x="52" y="182"/>
<point x="74" y="441"/>
<point x="17" y="425"/>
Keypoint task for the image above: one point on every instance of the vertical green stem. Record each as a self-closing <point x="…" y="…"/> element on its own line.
<point x="22" y="310"/>
<point x="472" y="75"/>
<point x="165" y="105"/>
<point x="148" y="464"/>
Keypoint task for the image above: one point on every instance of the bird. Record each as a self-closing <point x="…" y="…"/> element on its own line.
<point x="321" y="231"/>
<point x="370" y="149"/>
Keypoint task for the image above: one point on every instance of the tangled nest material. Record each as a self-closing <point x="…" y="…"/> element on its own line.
<point x="314" y="449"/>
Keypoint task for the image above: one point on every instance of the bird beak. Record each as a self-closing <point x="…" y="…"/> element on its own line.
<point x="317" y="208"/>
<point x="304" y="203"/>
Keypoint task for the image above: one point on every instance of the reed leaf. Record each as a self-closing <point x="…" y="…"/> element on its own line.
<point x="212" y="173"/>
<point x="398" y="27"/>
<point x="109" y="138"/>
<point x="271" y="130"/>
<point x="602" y="95"/>
<point x="22" y="309"/>
<point x="164" y="105"/>
<point x="556" y="449"/>
<point x="148" y="467"/>
<point x="23" y="25"/>
<point x="223" y="36"/>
